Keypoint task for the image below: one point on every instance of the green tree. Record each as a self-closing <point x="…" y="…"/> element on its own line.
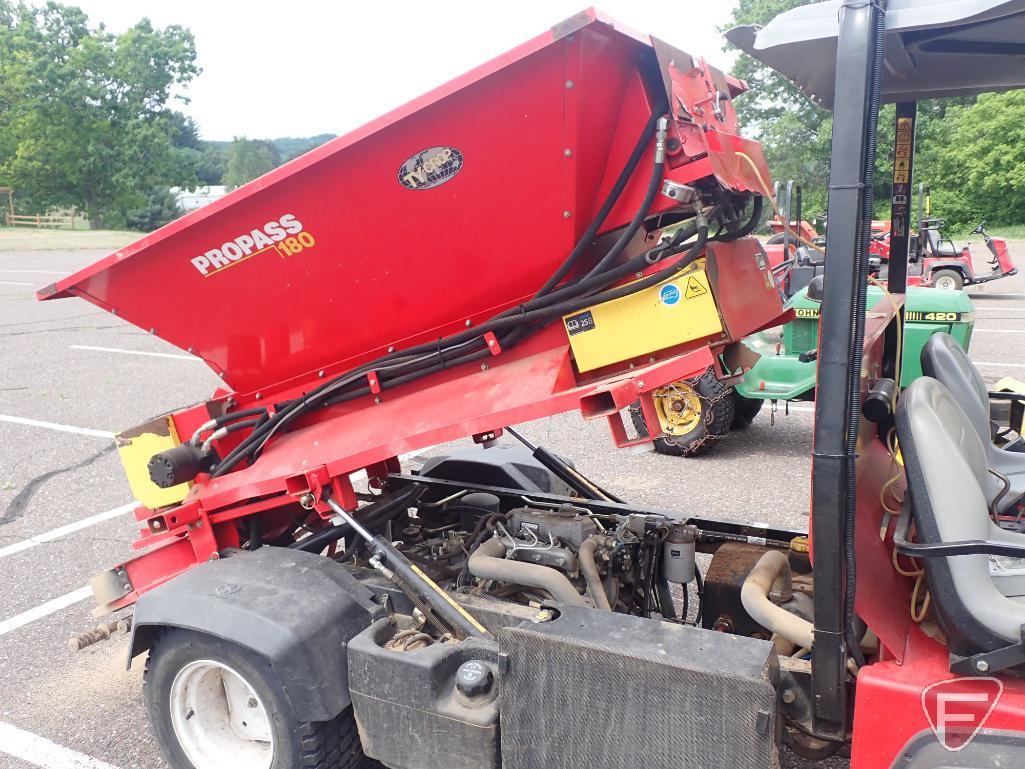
<point x="87" y="123"/>
<point x="794" y="133"/>
<point x="979" y="171"/>
<point x="248" y="159"/>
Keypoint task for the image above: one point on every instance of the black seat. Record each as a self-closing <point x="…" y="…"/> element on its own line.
<point x="940" y="246"/>
<point x="945" y="465"/>
<point x="944" y="359"/>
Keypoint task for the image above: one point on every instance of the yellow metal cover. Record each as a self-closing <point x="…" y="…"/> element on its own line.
<point x="136" y="447"/>
<point x="675" y="311"/>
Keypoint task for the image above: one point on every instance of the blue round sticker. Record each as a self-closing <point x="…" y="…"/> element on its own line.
<point x="669" y="294"/>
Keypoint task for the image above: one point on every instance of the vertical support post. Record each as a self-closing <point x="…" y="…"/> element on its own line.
<point x="839" y="365"/>
<point x="900" y="199"/>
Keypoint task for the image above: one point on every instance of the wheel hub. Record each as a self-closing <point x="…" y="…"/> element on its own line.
<point x="219" y="719"/>
<point x="679" y="408"/>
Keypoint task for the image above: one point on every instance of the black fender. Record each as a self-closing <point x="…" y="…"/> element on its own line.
<point x="297" y="610"/>
<point x="951" y="264"/>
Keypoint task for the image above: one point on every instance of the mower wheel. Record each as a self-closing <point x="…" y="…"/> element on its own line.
<point x="775" y="240"/>
<point x="700" y="412"/>
<point x="213" y="704"/>
<point x="744" y="410"/>
<point x="950" y="280"/>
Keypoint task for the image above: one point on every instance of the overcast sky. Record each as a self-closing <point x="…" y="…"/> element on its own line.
<point x="301" y="67"/>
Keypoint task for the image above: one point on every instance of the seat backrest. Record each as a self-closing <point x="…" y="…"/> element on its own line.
<point x="932" y="238"/>
<point x="945" y="463"/>
<point x="944" y="359"/>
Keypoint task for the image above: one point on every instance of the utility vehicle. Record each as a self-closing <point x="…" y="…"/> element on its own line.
<point x="417" y="281"/>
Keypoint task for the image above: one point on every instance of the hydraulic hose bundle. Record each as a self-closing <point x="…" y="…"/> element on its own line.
<point x="517" y="323"/>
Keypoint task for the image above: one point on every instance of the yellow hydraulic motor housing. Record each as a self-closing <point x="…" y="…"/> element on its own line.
<point x="678" y="310"/>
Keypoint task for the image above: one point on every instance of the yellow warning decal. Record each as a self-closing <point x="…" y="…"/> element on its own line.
<point x="694" y="288"/>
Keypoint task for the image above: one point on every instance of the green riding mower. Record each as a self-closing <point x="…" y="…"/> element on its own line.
<point x="695" y="414"/>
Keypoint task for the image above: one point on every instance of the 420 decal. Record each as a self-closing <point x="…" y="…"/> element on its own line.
<point x="285" y="235"/>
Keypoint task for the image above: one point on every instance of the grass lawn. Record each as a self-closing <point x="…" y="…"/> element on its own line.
<point x="1013" y="232"/>
<point x="32" y="239"/>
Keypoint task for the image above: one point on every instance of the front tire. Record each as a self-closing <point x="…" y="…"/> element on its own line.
<point x="213" y="704"/>
<point x="949" y="280"/>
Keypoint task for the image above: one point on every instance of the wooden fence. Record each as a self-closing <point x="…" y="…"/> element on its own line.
<point x="40" y="221"/>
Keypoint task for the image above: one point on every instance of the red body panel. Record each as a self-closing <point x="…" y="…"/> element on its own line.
<point x="888" y="709"/>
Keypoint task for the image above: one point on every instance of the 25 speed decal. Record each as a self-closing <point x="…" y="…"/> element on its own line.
<point x="285" y="235"/>
<point x="430" y="167"/>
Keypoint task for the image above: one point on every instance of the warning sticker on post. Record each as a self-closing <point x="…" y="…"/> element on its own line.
<point x="694" y="288"/>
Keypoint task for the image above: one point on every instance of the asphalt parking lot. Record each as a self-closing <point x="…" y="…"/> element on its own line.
<point x="72" y="375"/>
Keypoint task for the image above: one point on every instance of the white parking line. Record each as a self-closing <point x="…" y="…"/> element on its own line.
<point x="14" y="283"/>
<point x="56" y="426"/>
<point x="62" y="531"/>
<point x="41" y="752"/>
<point x="121" y="351"/>
<point x="44" y="610"/>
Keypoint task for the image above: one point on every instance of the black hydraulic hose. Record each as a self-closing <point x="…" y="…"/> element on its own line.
<point x="856" y="351"/>
<point x="753" y="220"/>
<point x="225" y="418"/>
<point x="654" y="184"/>
<point x="610" y="201"/>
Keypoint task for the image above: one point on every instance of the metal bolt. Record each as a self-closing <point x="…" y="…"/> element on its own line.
<point x="566" y="214"/>
<point x="982" y="666"/>
<point x="483" y="366"/>
<point x="640" y="384"/>
<point x="391" y="349"/>
<point x="569" y="83"/>
<point x="638" y="274"/>
<point x="151" y="329"/>
<point x="189" y="350"/>
<point x="377" y="400"/>
<point x="190" y="714"/>
<point x="128" y="588"/>
<point x="789" y="696"/>
<point x="469" y="322"/>
<point x="567" y="152"/>
<point x="252" y="702"/>
<point x="307" y="501"/>
<point x="259" y="396"/>
<point x="221" y="375"/>
<point x="320" y="373"/>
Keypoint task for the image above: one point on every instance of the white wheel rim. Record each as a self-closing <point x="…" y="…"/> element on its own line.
<point x="946" y="282"/>
<point x="219" y="719"/>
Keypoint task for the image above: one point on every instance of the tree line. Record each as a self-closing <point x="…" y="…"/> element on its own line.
<point x="91" y="121"/>
<point x="971" y="151"/>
